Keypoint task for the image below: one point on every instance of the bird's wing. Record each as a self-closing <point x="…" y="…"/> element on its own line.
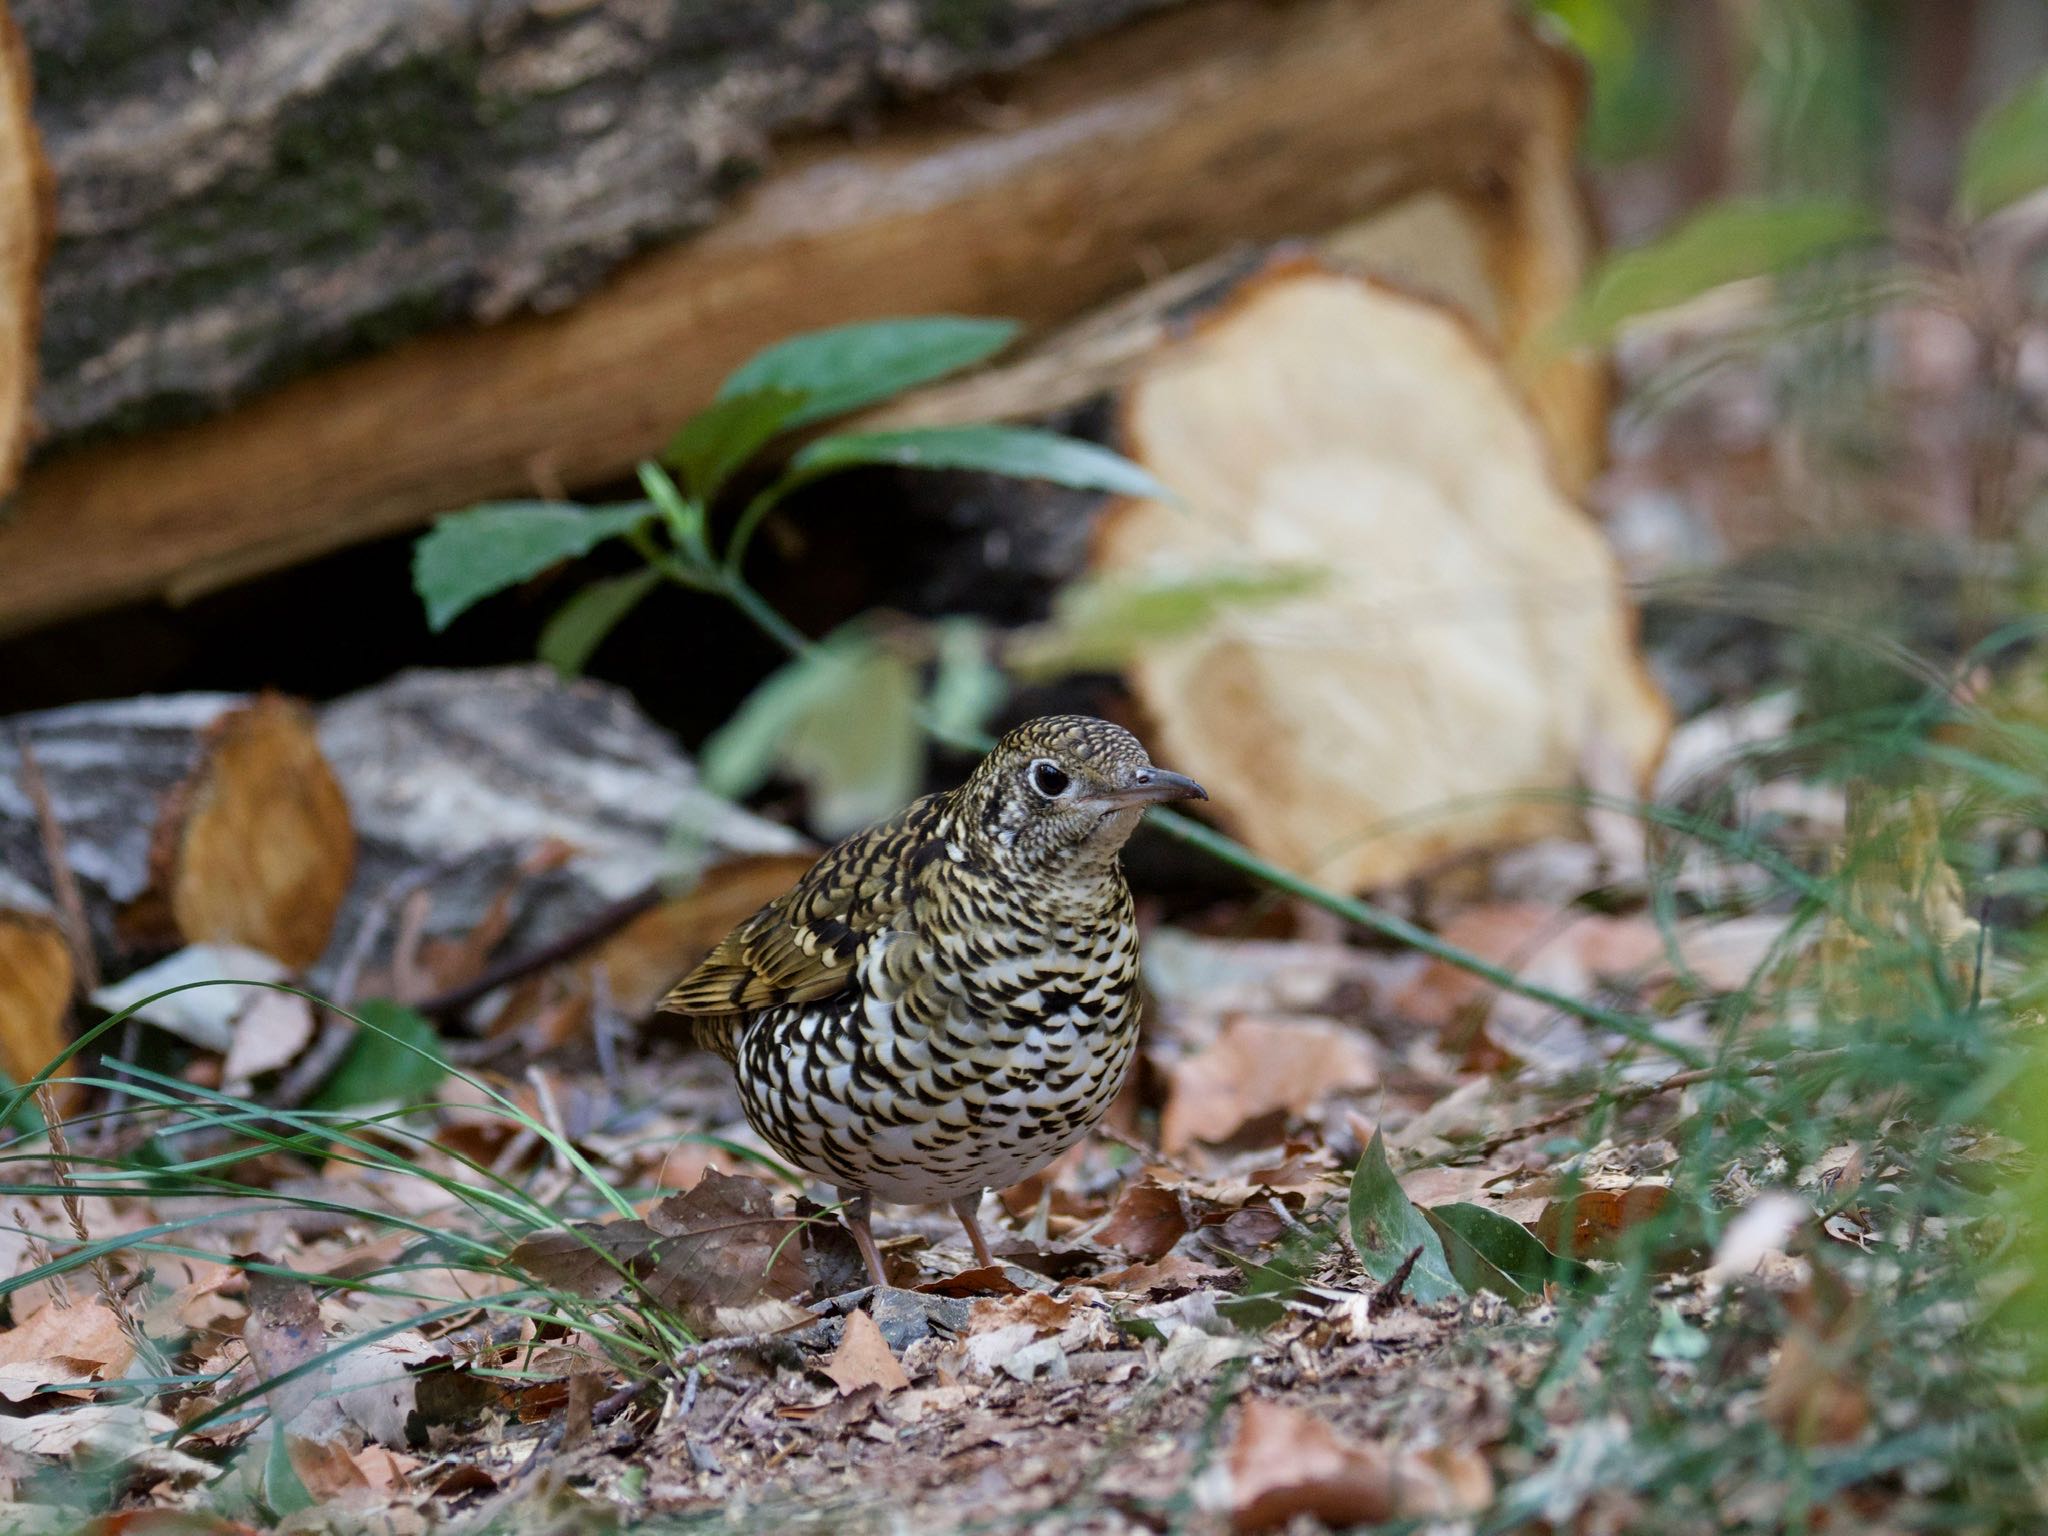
<point x="804" y="944"/>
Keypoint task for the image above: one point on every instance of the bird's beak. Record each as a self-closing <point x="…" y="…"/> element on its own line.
<point x="1152" y="786"/>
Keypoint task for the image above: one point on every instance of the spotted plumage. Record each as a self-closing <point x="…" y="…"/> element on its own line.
<point x="947" y="1001"/>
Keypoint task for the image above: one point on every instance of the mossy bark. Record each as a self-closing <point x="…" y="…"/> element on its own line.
<point x="249" y="188"/>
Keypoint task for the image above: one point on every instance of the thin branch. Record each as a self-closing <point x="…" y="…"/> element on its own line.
<point x="597" y="928"/>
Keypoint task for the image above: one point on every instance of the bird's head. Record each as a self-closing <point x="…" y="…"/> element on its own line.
<point x="1065" y="791"/>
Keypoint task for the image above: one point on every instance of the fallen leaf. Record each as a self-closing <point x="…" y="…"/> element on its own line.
<point x="1386" y="1228"/>
<point x="1285" y="1462"/>
<point x="864" y="1359"/>
<point x="1173" y="1272"/>
<point x="1260" y="1067"/>
<point x="1588" y="1223"/>
<point x="1566" y="952"/>
<point x="269" y="1034"/>
<point x="1045" y="1314"/>
<point x="66" y="1344"/>
<point x="205" y="1016"/>
<point x="1489" y="1252"/>
<point x="987" y="1281"/>
<point x="1147" y="1220"/>
<point x="1760" y="1231"/>
<point x="117" y="1432"/>
<point x="1814" y="1393"/>
<point x="717" y="1255"/>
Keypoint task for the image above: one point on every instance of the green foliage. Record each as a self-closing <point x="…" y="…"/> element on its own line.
<point x="715" y="443"/>
<point x="2007" y="154"/>
<point x="1488" y="1252"/>
<point x="1386" y="1227"/>
<point x="846" y="367"/>
<point x="841" y="720"/>
<point x="395" y="1057"/>
<point x="479" y="553"/>
<point x="1722" y="244"/>
<point x="966" y="685"/>
<point x="1024" y="453"/>
<point x="1099" y="624"/>
<point x="580" y="625"/>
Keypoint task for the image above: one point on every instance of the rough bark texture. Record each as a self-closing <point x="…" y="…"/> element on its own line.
<point x="247" y="188"/>
<point x="509" y="800"/>
<point x="25" y="205"/>
<point x="196" y="818"/>
<point x="1144" y="150"/>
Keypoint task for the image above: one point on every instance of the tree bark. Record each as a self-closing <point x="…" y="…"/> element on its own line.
<point x="189" y="819"/>
<point x="245" y="191"/>
<point x="1147" y="149"/>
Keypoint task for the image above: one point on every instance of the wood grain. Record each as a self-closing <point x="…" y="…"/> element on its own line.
<point x="1128" y="157"/>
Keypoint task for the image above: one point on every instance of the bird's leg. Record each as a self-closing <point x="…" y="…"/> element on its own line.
<point x="968" y="1209"/>
<point x="855" y="1206"/>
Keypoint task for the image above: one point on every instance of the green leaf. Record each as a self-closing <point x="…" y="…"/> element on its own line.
<point x="841" y="720"/>
<point x="966" y="686"/>
<point x="1386" y="1227"/>
<point x="581" y="624"/>
<point x="1027" y="453"/>
<point x="471" y="555"/>
<point x="2006" y="156"/>
<point x="1487" y="1251"/>
<point x="717" y="442"/>
<point x="849" y="366"/>
<point x="1676" y="1339"/>
<point x="1723" y="244"/>
<point x="1098" y="625"/>
<point x="283" y="1489"/>
<point x="396" y="1055"/>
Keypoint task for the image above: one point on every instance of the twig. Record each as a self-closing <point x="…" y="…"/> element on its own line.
<point x="600" y="926"/>
<point x="1621" y="1098"/>
<point x="1390" y="1293"/>
<point x="63" y="881"/>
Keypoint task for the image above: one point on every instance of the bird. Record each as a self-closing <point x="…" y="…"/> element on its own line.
<point x="948" y="1000"/>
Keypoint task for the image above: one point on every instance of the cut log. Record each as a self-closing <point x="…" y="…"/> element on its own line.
<point x="36" y="978"/>
<point x="511" y="809"/>
<point x="25" y="199"/>
<point x="1150" y="148"/>
<point x="199" y="818"/>
<point x="1471" y="651"/>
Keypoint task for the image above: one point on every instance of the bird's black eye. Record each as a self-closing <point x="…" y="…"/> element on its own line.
<point x="1049" y="779"/>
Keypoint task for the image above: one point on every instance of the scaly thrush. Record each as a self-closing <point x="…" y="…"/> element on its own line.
<point x="947" y="1001"/>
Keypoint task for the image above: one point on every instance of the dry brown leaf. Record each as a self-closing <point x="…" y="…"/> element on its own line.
<point x="989" y="1280"/>
<point x="864" y="1359"/>
<point x="1259" y="1067"/>
<point x="1174" y="1272"/>
<point x="1045" y="1314"/>
<point x="717" y="1255"/>
<point x="1286" y="1462"/>
<point x="1568" y="952"/>
<point x="1587" y="1223"/>
<point x="325" y="1467"/>
<point x="1814" y="1394"/>
<point x="1147" y="1220"/>
<point x="67" y="1344"/>
<point x="269" y="1035"/>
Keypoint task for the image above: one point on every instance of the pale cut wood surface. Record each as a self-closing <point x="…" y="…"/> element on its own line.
<point x="1133" y="155"/>
<point x="25" y="201"/>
